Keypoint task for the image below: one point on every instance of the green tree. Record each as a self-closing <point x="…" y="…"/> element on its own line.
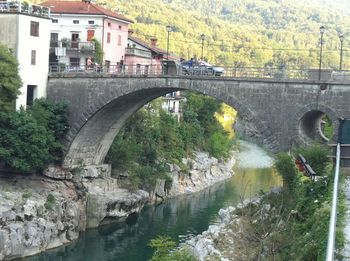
<point x="29" y="140"/>
<point x="10" y="81"/>
<point x="98" y="57"/>
<point x="286" y="168"/>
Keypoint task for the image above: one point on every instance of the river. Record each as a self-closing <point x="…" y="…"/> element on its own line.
<point x="179" y="218"/>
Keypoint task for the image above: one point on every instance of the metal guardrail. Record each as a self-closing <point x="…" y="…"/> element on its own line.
<point x="157" y="69"/>
<point x="333" y="218"/>
<point x="111" y="69"/>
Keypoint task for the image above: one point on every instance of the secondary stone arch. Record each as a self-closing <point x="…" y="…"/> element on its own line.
<point x="307" y="121"/>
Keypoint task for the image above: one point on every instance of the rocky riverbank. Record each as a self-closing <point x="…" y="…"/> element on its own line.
<point x="197" y="173"/>
<point x="38" y="212"/>
<point x="228" y="239"/>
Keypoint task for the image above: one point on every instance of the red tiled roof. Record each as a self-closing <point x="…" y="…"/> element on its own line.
<point x="79" y="7"/>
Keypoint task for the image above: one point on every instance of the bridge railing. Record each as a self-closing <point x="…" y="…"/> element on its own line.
<point x="234" y="72"/>
<point x="333" y="217"/>
<point x="117" y="69"/>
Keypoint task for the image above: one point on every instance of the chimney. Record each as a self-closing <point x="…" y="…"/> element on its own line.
<point x="154" y="41"/>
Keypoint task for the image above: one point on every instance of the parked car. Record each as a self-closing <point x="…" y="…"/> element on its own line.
<point x="201" y="68"/>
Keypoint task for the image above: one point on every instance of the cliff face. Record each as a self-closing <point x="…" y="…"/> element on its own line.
<point x="38" y="213"/>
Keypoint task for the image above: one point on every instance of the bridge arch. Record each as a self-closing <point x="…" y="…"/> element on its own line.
<point x="97" y="122"/>
<point x="99" y="104"/>
<point x="309" y="119"/>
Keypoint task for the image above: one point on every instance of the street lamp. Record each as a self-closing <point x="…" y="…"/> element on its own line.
<point x="322" y="29"/>
<point x="341" y="38"/>
<point x="169" y="29"/>
<point x="202" y="38"/>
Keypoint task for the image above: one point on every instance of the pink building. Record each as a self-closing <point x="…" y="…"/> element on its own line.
<point x="75" y="23"/>
<point x="142" y="57"/>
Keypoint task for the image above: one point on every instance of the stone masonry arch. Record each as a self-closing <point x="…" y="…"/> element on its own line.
<point x="318" y="109"/>
<point x="100" y="104"/>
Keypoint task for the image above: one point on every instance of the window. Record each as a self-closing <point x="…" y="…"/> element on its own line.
<point x="90" y="35"/>
<point x="91" y="22"/>
<point x="34" y="28"/>
<point x="108" y="37"/>
<point x="138" y="68"/>
<point x="31" y="94"/>
<point x="33" y="57"/>
<point x="119" y="40"/>
<point x="109" y="24"/>
<point x="75" y="41"/>
<point x="120" y="27"/>
<point x="73" y="61"/>
<point x="54" y="21"/>
<point x="75" y="21"/>
<point x="54" y="40"/>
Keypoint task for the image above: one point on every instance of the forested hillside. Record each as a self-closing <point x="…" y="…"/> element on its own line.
<point x="244" y="32"/>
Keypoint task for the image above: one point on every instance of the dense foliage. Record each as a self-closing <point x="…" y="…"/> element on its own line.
<point x="10" y="81"/>
<point x="30" y="139"/>
<point x="151" y="138"/>
<point x="292" y="225"/>
<point x="98" y="55"/>
<point x="244" y="32"/>
<point x="286" y="167"/>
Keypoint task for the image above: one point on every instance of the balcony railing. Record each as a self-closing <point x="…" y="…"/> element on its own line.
<point x="24" y="7"/>
<point x="76" y="45"/>
<point x="137" y="52"/>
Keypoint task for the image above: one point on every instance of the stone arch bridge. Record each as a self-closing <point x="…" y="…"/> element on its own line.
<point x="282" y="111"/>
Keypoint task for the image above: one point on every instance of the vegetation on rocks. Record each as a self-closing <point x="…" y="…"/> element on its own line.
<point x="151" y="138"/>
<point x="30" y="139"/>
<point x="164" y="250"/>
<point x="292" y="224"/>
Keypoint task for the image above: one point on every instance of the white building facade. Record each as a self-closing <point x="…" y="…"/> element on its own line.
<point x="24" y="29"/>
<point x="74" y="25"/>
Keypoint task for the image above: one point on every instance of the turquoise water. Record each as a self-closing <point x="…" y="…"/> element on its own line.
<point x="179" y="218"/>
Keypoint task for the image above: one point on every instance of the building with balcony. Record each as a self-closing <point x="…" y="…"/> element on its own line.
<point x="25" y="30"/>
<point x="143" y="57"/>
<point x="172" y="104"/>
<point x="73" y="26"/>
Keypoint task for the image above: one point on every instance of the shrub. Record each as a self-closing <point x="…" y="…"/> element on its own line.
<point x="286" y="168"/>
<point x="50" y="202"/>
<point x="29" y="140"/>
<point x="164" y="250"/>
<point x="219" y="145"/>
<point x="317" y="157"/>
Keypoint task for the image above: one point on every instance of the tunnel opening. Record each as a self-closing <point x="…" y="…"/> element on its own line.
<point x="316" y="125"/>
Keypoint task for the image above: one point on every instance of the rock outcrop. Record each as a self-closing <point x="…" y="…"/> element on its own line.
<point x="201" y="172"/>
<point x="37" y="214"/>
